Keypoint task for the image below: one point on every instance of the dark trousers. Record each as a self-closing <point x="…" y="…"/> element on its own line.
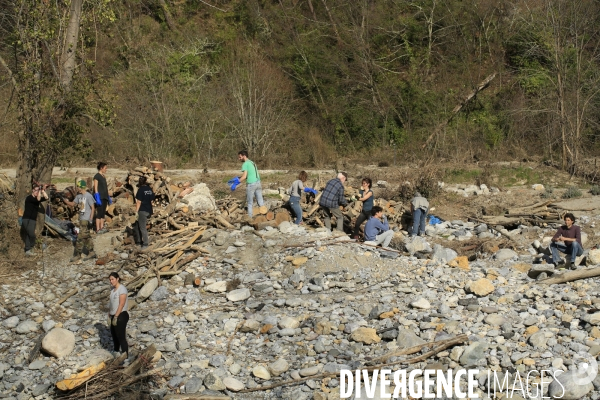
<point x="118" y="333"/>
<point x="362" y="217"/>
<point x="28" y="233"/>
<point x="143" y="231"/>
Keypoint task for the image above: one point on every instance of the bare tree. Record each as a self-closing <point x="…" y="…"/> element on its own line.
<point x="261" y="103"/>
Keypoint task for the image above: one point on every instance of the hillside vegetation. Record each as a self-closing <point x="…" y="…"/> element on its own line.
<point x="304" y="82"/>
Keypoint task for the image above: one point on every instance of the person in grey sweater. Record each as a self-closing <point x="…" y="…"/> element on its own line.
<point x="295" y="195"/>
<point x="377" y="229"/>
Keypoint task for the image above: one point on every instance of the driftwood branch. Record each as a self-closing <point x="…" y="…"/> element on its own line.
<point x="571" y="276"/>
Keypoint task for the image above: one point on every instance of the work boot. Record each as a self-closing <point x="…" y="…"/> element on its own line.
<point x="570" y="264"/>
<point x="90" y="256"/>
<point x="75" y="258"/>
<point x="559" y="265"/>
<point x="30" y="253"/>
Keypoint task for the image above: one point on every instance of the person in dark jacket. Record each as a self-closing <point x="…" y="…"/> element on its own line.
<point x="570" y="236"/>
<point x="30" y="213"/>
<point x="101" y="196"/>
<point x="143" y="207"/>
<point x="331" y="200"/>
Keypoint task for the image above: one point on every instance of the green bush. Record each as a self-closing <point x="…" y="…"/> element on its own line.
<point x="548" y="193"/>
<point x="571" y="192"/>
<point x="595" y="190"/>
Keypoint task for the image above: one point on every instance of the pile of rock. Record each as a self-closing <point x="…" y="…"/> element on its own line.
<point x="268" y="311"/>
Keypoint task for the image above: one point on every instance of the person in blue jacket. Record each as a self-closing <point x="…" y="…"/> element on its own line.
<point x="377" y="229"/>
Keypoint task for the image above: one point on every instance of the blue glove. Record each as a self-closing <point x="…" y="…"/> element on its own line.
<point x="97" y="198"/>
<point x="233" y="182"/>
<point x="109" y="200"/>
<point x="311" y="190"/>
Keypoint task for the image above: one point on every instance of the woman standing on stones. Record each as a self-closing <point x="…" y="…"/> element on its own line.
<point x="117" y="314"/>
<point x="295" y="195"/>
<point x="366" y="196"/>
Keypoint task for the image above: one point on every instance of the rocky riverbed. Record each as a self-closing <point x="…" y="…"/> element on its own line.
<point x="290" y="303"/>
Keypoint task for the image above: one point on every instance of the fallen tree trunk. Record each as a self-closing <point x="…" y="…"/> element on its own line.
<point x="571" y="276"/>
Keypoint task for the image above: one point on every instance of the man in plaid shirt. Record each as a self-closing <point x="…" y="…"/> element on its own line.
<point x="331" y="200"/>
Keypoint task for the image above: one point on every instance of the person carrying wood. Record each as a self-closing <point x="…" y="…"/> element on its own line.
<point x="85" y="201"/>
<point x="419" y="207"/>
<point x="570" y="236"/>
<point x="252" y="178"/>
<point x="29" y="218"/>
<point x="377" y="229"/>
<point x="331" y="200"/>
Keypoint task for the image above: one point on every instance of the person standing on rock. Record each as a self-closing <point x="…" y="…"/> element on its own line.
<point x="331" y="200"/>
<point x="117" y="314"/>
<point x="252" y="178"/>
<point x="570" y="236"/>
<point x="101" y="196"/>
<point x="419" y="207"/>
<point x="295" y="195"/>
<point x="143" y="207"/>
<point x="377" y="229"/>
<point x="86" y="213"/>
<point x="366" y="196"/>
<point x="30" y="213"/>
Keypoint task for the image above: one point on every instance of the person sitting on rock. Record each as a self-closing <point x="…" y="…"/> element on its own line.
<point x="570" y="236"/>
<point x="377" y="229"/>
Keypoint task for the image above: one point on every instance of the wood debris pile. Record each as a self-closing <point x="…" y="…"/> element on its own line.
<point x="540" y="214"/>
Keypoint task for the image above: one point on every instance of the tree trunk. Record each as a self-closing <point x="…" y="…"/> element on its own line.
<point x="69" y="51"/>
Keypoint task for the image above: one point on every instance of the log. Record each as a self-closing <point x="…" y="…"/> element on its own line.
<point x="142" y="360"/>
<point x="258" y="219"/>
<point x="282" y="216"/>
<point x="175" y="224"/>
<point x="197" y="281"/>
<point x="571" y="276"/>
<point x="262" y="225"/>
<point x="189" y="280"/>
<point x="270" y="216"/>
<point x="67" y="296"/>
<point x="316" y="206"/>
<point x="223" y="222"/>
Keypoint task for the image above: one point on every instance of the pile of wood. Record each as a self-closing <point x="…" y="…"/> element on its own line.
<point x="161" y="185"/>
<point x="168" y="255"/>
<point x="395" y="211"/>
<point x="540" y="214"/>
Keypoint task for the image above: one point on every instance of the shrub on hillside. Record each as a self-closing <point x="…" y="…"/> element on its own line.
<point x="571" y="193"/>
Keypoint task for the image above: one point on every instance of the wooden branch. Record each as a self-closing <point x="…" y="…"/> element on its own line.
<point x="67" y="296"/>
<point x="194" y="397"/>
<point x="10" y="73"/>
<point x="141" y="360"/>
<point x="484" y="84"/>
<point x="571" y="276"/>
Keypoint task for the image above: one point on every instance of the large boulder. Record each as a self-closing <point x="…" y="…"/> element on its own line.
<point x="59" y="342"/>
<point x="147" y="289"/>
<point x="200" y="199"/>
<point x="442" y="253"/>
